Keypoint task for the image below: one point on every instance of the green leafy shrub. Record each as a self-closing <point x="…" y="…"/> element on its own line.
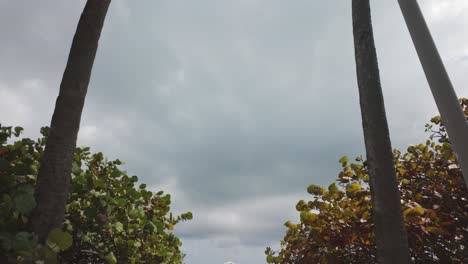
<point x="336" y="225"/>
<point x="108" y="218"/>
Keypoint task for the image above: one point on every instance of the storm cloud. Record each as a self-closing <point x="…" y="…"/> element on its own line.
<point x="233" y="107"/>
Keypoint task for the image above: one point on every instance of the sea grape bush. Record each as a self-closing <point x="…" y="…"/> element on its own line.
<point x="336" y="225"/>
<point x="108" y="217"/>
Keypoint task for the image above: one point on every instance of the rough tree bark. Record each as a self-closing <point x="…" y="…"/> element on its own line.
<point x="390" y="235"/>
<point x="54" y="175"/>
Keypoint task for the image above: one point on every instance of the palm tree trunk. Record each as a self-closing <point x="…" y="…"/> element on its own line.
<point x="390" y="235"/>
<point x="441" y="87"/>
<point x="54" y="175"/>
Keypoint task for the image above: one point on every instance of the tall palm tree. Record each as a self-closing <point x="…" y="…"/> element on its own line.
<point x="439" y="81"/>
<point x="390" y="234"/>
<point x="54" y="175"/>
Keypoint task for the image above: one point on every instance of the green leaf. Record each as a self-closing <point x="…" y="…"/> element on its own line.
<point x="18" y="131"/>
<point x="133" y="214"/>
<point x="85" y="149"/>
<point x="76" y="168"/>
<point x="110" y="258"/>
<point x="24" y="202"/>
<point x="23" y="241"/>
<point x="6" y="240"/>
<point x="137" y="244"/>
<point x="99" y="156"/>
<point x="45" y="131"/>
<point x="90" y="212"/>
<point x="59" y="240"/>
<point x="99" y="183"/>
<point x="188" y="216"/>
<point x="4" y="164"/>
<point x="119" y="227"/>
<point x="46" y="255"/>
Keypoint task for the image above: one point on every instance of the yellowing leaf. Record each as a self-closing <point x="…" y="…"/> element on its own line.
<point x="315" y="190"/>
<point x="290" y="225"/>
<point x="401" y="171"/>
<point x="419" y="210"/>
<point x="308" y="217"/>
<point x="344" y="160"/>
<point x="435" y="230"/>
<point x="332" y="188"/>
<point x="352" y="188"/>
<point x="436" y="119"/>
<point x="406" y="212"/>
<point x="365" y="215"/>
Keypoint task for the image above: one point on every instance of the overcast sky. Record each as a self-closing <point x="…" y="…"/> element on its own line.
<point x="233" y="107"/>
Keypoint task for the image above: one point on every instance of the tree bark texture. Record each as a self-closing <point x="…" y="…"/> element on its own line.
<point x="54" y="175"/>
<point x="390" y="234"/>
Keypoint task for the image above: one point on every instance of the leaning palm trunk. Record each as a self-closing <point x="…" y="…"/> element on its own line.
<point x="441" y="87"/>
<point x="390" y="234"/>
<point x="54" y="175"/>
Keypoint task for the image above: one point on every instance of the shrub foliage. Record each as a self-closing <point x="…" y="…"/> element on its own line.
<point x="108" y="217"/>
<point x="336" y="225"/>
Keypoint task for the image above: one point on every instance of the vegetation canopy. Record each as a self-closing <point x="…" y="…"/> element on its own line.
<point x="108" y="217"/>
<point x="336" y="226"/>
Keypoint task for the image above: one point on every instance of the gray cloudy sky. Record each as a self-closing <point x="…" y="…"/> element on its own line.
<point x="234" y="107"/>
